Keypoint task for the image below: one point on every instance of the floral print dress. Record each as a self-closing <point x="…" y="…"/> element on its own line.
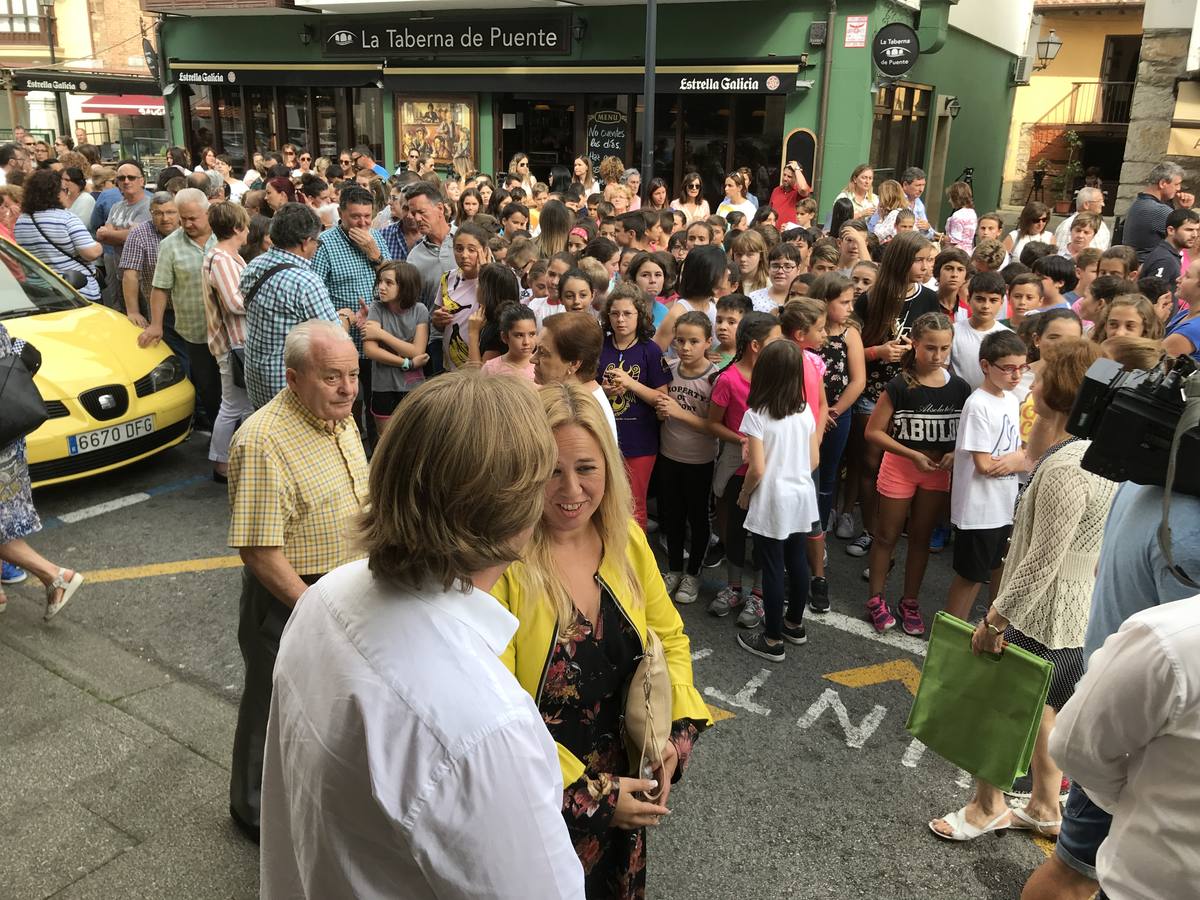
<point x="18" y="518"/>
<point x="582" y="704"/>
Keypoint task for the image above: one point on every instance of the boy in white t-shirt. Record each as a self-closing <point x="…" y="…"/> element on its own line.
<point x="987" y="457"/>
<point x="986" y="297"/>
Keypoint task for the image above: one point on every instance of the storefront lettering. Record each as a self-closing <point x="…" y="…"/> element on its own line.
<point x="526" y="36"/>
<point x="741" y="83"/>
<point x="204" y="77"/>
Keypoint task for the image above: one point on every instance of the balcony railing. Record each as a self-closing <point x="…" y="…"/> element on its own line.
<point x="1092" y="103"/>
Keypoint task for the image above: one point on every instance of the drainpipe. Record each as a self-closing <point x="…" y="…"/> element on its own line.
<point x="933" y="24"/>
<point x="161" y="74"/>
<point x="823" y="119"/>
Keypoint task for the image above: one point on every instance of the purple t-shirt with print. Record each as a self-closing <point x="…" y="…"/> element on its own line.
<point x="637" y="422"/>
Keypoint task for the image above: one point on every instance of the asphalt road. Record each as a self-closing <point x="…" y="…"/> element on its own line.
<point x="808" y="786"/>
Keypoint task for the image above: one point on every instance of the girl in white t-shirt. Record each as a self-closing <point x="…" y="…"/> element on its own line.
<point x="779" y="494"/>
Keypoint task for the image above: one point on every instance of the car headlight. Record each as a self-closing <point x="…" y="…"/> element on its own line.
<point x="165" y="374"/>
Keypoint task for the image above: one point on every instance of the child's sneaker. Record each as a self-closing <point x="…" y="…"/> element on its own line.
<point x="726" y="601"/>
<point x="757" y="644"/>
<point x="818" y="595"/>
<point x="751" y="615"/>
<point x="671" y="580"/>
<point x="10" y="574"/>
<point x="689" y="589"/>
<point x="794" y="633"/>
<point x="860" y="546"/>
<point x="881" y="617"/>
<point x="939" y="539"/>
<point x="910" y="617"/>
<point x="845" y="526"/>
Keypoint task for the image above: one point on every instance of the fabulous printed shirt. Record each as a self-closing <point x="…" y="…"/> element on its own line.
<point x="926" y="418"/>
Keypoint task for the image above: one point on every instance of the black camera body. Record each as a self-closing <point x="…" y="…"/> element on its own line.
<point x="1131" y="419"/>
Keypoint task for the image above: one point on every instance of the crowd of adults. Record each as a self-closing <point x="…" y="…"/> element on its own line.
<point x="330" y="316"/>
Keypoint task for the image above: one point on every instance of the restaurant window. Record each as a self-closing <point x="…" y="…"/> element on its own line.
<point x="260" y="111"/>
<point x="366" y="119"/>
<point x="95" y="129"/>
<point x="294" y="102"/>
<point x="228" y="101"/>
<point x="325" y="104"/>
<point x="901" y="125"/>
<point x="200" y="117"/>
<point x="19" y="18"/>
<point x="758" y="139"/>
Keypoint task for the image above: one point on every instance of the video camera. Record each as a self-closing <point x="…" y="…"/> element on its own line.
<point x="1132" y="419"/>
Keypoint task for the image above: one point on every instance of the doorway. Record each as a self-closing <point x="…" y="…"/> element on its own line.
<point x="544" y="127"/>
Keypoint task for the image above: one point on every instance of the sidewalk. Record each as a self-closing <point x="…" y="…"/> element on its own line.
<point x="114" y="775"/>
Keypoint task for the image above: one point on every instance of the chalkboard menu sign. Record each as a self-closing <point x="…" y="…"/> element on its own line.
<point x="607" y="134"/>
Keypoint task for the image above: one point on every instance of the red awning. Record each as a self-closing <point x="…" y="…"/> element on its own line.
<point x="124" y="105"/>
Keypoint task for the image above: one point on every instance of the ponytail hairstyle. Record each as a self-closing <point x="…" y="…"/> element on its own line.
<point x="801" y="315"/>
<point x="778" y="386"/>
<point x="886" y="297"/>
<point x="930" y="321"/>
<point x="755" y="326"/>
<point x="626" y="290"/>
<point x="829" y="286"/>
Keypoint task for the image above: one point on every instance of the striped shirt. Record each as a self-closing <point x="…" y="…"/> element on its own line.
<point x="180" y="261"/>
<point x="58" y="236"/>
<point x="347" y="270"/>
<point x="297" y="485"/>
<point x="289" y="297"/>
<point x="224" y="311"/>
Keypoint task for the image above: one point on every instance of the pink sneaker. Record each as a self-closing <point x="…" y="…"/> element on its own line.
<point x="910" y="617"/>
<point x="879" y="614"/>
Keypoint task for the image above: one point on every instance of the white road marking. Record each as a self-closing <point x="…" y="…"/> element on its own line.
<point x="856" y="735"/>
<point x="913" y="754"/>
<point x="862" y="628"/>
<point x="744" y="699"/>
<point x="89" y="512"/>
<point x="701" y="654"/>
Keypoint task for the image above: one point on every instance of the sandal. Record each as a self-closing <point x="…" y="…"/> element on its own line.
<point x="1022" y="821"/>
<point x="68" y="588"/>
<point x="962" y="830"/>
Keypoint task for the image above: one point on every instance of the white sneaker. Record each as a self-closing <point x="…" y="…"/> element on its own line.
<point x="845" y="526"/>
<point x="689" y="590"/>
<point x="671" y="580"/>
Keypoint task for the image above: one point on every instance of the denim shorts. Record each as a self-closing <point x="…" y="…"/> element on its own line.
<point x="863" y="407"/>
<point x="1084" y="828"/>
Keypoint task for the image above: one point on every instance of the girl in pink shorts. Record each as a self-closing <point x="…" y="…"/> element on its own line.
<point x="915" y="422"/>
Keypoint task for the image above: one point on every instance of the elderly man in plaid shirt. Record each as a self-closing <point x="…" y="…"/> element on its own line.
<point x="347" y="257"/>
<point x="297" y="479"/>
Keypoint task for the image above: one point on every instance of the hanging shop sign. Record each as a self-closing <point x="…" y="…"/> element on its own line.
<point x="84" y="83"/>
<point x="546" y="34"/>
<point x="607" y="134"/>
<point x="895" y="49"/>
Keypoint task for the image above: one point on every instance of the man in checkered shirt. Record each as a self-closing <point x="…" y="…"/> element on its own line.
<point x="297" y="480"/>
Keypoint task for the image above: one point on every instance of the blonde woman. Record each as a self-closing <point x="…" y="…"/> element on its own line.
<point x="859" y="192"/>
<point x="585" y="595"/>
<point x="891" y="201"/>
<point x="519" y="166"/>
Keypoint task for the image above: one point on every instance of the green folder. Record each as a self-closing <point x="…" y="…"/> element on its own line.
<point x="981" y="713"/>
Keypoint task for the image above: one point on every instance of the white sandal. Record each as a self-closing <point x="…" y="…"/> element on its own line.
<point x="1022" y="821"/>
<point x="962" y="830"/>
<point x="68" y="588"/>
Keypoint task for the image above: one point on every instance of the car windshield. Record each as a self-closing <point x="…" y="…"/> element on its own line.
<point x="27" y="288"/>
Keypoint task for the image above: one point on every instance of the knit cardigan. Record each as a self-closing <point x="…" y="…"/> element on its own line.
<point x="1046" y="589"/>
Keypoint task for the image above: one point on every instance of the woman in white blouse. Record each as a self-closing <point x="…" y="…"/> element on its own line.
<point x="859" y="191"/>
<point x="691" y="200"/>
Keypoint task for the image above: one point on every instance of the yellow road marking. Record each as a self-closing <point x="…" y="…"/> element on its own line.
<point x="180" y="567"/>
<point x="719" y="714"/>
<point x="901" y="670"/>
<point x="1045" y="844"/>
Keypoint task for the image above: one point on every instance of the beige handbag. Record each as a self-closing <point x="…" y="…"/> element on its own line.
<point x="648" y="711"/>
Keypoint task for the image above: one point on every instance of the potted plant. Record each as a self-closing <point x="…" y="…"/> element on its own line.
<point x="1070" y="173"/>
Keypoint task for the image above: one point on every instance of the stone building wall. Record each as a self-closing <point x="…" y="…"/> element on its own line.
<point x="1163" y="59"/>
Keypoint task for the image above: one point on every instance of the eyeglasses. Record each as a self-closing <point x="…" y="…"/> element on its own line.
<point x="1014" y="370"/>
<point x="128" y="177"/>
<point x="695" y="186"/>
<point x="344" y="161"/>
<point x="1043" y="219"/>
<point x="782" y="266"/>
<point x="306" y="158"/>
<point x="355" y="159"/>
<point x="622" y="314"/>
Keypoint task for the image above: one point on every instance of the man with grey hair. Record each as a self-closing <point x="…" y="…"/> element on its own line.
<point x="1146" y="220"/>
<point x="179" y="283"/>
<point x="1088" y="199"/>
<point x="140" y="256"/>
<point x="280" y="290"/>
<point x="297" y="480"/>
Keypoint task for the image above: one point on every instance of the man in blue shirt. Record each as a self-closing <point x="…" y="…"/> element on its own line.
<point x="363" y="159"/>
<point x="1146" y="220"/>
<point x="1166" y="260"/>
<point x="1132" y="575"/>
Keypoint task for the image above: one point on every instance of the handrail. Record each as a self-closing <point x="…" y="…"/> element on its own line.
<point x="1092" y="103"/>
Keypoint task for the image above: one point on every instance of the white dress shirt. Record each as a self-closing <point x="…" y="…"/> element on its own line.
<point x="403" y="760"/>
<point x="1130" y="737"/>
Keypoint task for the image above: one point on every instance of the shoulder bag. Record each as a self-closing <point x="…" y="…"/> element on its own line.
<point x="648" y="711"/>
<point x="237" y="356"/>
<point x="21" y="408"/>
<point x="88" y="267"/>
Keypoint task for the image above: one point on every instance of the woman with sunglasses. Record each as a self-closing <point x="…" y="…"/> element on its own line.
<point x="690" y="201"/>
<point x="519" y="166"/>
<point x="1031" y="226"/>
<point x="304" y="163"/>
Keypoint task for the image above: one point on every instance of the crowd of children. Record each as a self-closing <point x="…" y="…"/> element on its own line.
<point x="769" y="388"/>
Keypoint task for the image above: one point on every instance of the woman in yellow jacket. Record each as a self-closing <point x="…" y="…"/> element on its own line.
<point x="585" y="595"/>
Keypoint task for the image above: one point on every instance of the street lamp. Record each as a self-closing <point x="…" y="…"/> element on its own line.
<point x="1047" y="50"/>
<point x="47" y="10"/>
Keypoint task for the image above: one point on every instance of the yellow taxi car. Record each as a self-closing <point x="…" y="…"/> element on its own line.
<point x="111" y="402"/>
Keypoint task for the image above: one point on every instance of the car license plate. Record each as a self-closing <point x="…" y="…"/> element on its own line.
<point x="113" y="434"/>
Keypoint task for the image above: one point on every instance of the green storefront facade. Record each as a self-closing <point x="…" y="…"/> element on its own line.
<point x="737" y="83"/>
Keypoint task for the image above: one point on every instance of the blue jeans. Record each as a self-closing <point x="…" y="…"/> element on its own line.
<point x="1084" y="828"/>
<point x="833" y="445"/>
<point x="784" y="573"/>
